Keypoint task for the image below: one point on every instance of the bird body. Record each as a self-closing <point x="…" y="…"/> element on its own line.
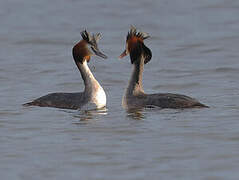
<point x="93" y="96"/>
<point x="134" y="96"/>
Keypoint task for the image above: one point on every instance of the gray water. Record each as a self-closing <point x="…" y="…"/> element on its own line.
<point x="195" y="52"/>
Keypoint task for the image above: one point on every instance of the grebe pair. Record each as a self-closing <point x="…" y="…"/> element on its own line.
<point x="94" y="96"/>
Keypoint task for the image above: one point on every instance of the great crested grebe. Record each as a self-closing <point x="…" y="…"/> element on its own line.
<point x="93" y="97"/>
<point x="134" y="96"/>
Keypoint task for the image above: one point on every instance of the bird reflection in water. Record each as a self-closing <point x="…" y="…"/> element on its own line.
<point x="84" y="117"/>
<point x="140" y="113"/>
<point x="136" y="113"/>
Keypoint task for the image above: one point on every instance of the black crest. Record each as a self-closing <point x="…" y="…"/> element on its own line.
<point x="86" y="36"/>
<point x="140" y="49"/>
<point x="91" y="39"/>
<point x="133" y="32"/>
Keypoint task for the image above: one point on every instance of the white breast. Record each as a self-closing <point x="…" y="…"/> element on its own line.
<point x="100" y="98"/>
<point x="97" y="100"/>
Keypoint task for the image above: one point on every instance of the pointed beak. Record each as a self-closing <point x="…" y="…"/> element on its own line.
<point x="98" y="53"/>
<point x="123" y="54"/>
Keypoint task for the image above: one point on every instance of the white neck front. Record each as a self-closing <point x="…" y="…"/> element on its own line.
<point x="87" y="76"/>
<point x="93" y="90"/>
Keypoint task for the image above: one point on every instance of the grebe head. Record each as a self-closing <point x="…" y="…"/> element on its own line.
<point x="135" y="46"/>
<point x="87" y="47"/>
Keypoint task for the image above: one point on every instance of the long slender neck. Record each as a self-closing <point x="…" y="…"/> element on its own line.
<point x="91" y="84"/>
<point x="135" y="86"/>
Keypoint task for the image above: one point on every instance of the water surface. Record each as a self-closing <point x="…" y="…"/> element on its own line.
<point x="195" y="52"/>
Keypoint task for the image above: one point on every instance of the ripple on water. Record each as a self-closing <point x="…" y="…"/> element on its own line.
<point x="39" y="41"/>
<point x="177" y="86"/>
